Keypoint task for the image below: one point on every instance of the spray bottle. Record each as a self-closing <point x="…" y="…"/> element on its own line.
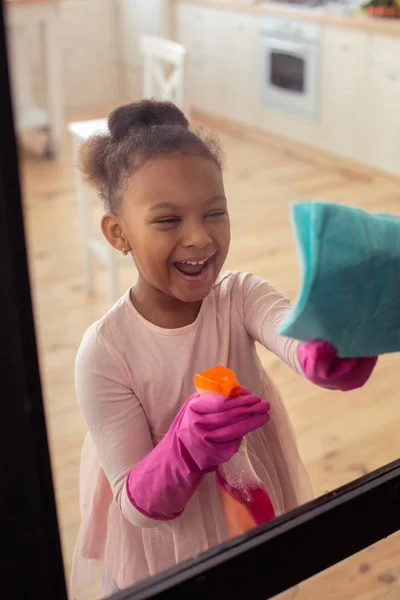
<point x="245" y="498"/>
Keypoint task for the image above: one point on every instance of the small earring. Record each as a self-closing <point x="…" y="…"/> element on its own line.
<point x="125" y="252"/>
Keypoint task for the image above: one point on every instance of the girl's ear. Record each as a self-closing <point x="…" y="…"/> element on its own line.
<point x="112" y="231"/>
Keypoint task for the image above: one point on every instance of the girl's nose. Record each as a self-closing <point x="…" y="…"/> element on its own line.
<point x="196" y="236"/>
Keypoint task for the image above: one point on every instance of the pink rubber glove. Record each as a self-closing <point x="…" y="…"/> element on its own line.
<point x="206" y="432"/>
<point x="322" y="366"/>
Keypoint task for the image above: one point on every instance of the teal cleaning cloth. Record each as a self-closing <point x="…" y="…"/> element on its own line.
<point x="350" y="289"/>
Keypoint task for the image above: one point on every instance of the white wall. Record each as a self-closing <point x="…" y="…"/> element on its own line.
<point x="90" y="52"/>
<point x="101" y="60"/>
<point x="133" y="18"/>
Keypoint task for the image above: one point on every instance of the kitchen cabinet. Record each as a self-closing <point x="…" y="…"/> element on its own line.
<point x="344" y="120"/>
<point x="383" y="103"/>
<point x="200" y="30"/>
<point x="223" y="69"/>
<point x="221" y="61"/>
<point x="240" y="68"/>
<point x="361" y="97"/>
<point x="358" y="92"/>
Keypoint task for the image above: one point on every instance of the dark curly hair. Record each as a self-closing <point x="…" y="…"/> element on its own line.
<point x="139" y="132"/>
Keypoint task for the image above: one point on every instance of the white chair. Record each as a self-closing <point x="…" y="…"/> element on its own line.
<point x="156" y="83"/>
<point x="157" y="52"/>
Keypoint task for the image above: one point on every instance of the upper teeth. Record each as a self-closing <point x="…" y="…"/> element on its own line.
<point x="193" y="262"/>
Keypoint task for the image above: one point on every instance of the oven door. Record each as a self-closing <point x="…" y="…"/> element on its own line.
<point x="288" y="77"/>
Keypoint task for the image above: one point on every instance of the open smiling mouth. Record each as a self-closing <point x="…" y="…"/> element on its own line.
<point x="192" y="268"/>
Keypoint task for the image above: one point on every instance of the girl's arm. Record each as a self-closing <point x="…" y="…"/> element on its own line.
<point x="264" y="308"/>
<point x="114" y="417"/>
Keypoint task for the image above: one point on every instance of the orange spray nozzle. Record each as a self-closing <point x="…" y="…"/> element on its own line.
<point x="218" y="379"/>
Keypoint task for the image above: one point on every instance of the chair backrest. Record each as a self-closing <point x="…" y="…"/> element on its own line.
<point x="158" y="52"/>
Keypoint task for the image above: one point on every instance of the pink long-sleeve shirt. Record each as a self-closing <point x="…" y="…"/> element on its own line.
<point x="131" y="379"/>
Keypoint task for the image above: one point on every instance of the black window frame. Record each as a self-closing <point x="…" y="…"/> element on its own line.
<point x="260" y="564"/>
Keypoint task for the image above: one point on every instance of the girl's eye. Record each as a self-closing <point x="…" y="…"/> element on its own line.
<point x="167" y="220"/>
<point x="175" y="220"/>
<point x="216" y="213"/>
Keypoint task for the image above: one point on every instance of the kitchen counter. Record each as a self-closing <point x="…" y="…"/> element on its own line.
<point x="324" y="16"/>
<point x="349" y="88"/>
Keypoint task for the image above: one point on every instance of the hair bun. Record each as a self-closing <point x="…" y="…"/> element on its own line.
<point x="146" y="113"/>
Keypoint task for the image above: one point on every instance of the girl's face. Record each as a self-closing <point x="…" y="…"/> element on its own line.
<point x="174" y="217"/>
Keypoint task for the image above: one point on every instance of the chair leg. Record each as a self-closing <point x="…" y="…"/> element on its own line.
<point x="83" y="198"/>
<point x="84" y="201"/>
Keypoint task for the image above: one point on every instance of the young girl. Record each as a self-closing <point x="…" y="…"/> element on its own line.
<point x="149" y="498"/>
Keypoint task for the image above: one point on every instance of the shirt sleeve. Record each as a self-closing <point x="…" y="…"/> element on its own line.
<point x="264" y="309"/>
<point x="115" y="419"/>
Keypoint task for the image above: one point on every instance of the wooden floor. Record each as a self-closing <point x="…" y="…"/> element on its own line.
<point x="341" y="437"/>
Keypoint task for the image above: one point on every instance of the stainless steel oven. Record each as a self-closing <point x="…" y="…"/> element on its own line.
<point x="289" y="75"/>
